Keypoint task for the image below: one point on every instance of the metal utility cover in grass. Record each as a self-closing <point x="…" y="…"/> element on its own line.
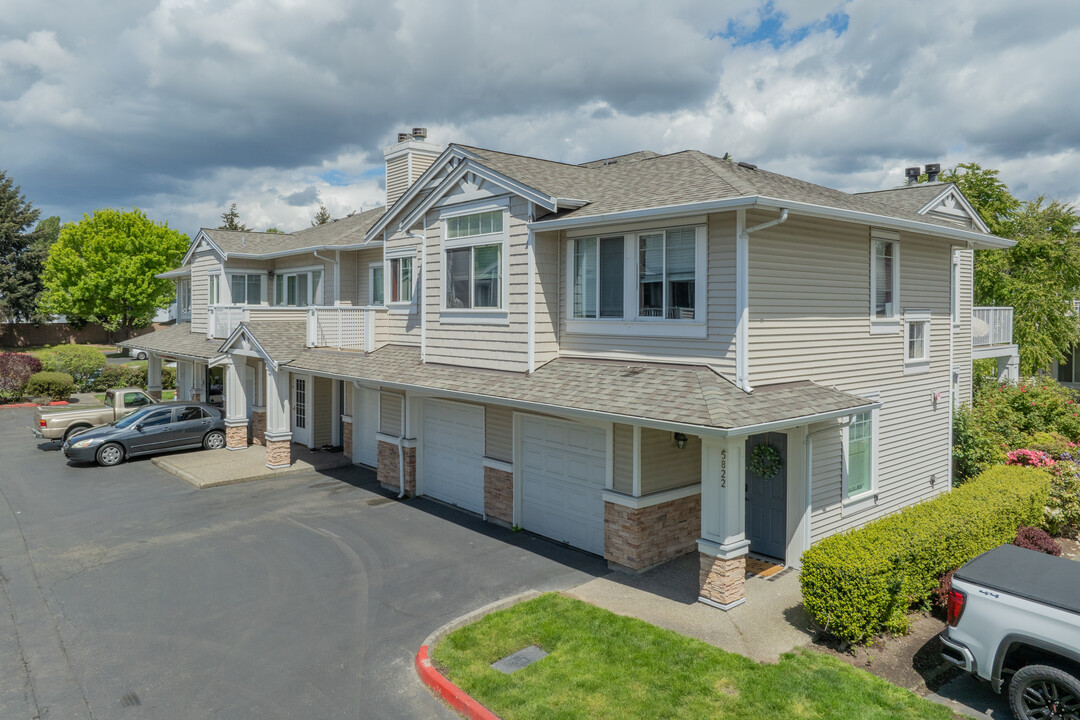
<point x="522" y="658"/>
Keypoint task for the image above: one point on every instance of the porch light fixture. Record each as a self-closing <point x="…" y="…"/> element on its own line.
<point x="680" y="441"/>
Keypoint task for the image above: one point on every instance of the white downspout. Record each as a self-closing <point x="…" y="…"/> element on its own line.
<point x="742" y="293"/>
<point x="810" y="475"/>
<point x="418" y="277"/>
<point x="401" y="452"/>
<point x="530" y="247"/>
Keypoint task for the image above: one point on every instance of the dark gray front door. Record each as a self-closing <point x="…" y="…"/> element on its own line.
<point x="766" y="500"/>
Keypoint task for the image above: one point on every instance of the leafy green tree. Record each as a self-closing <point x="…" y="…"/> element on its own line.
<point x="274" y="230"/>
<point x="231" y="220"/>
<point x="322" y="217"/>
<point x="22" y="252"/>
<point x="103" y="268"/>
<point x="1039" y="277"/>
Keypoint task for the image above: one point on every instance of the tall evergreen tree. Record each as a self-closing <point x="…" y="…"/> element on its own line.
<point x="231" y="220"/>
<point x="322" y="217"/>
<point x="21" y="257"/>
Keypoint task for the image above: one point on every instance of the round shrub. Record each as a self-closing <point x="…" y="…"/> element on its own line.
<point x="134" y="376"/>
<point x="974" y="447"/>
<point x="82" y="363"/>
<point x="15" y="371"/>
<point x="1033" y="538"/>
<point x="111" y="376"/>
<point x="53" y="385"/>
<point x="857" y="583"/>
<point x="1053" y="444"/>
<point x="1063" y="506"/>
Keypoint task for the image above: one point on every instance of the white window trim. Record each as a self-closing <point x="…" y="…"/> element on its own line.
<point x="888" y="325"/>
<point x="371" y="284"/>
<point x="264" y="287"/>
<point x="869" y="498"/>
<point x="916" y="366"/>
<point x="474" y="315"/>
<point x="400" y="307"/>
<point x="954" y="294"/>
<point x="211" y="278"/>
<point x="636" y="326"/>
<point x="307" y="269"/>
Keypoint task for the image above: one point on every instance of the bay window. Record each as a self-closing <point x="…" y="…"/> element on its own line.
<point x="298" y="288"/>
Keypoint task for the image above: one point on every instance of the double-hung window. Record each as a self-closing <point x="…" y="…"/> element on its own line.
<point x="213" y="284"/>
<point x="599" y="274"/>
<point x="916" y="340"/>
<point x="884" y="281"/>
<point x="667" y="274"/>
<point x="400" y="270"/>
<point x="246" y="289"/>
<point x="298" y="288"/>
<point x="475" y="247"/>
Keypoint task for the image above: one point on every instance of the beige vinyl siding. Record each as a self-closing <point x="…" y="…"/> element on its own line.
<point x="962" y="331"/>
<point x="493" y="346"/>
<point x="203" y="263"/>
<point x="623" y="458"/>
<point x="664" y="465"/>
<point x="322" y="427"/>
<point x="397" y="178"/>
<point x="499" y="432"/>
<point x="403" y="328"/>
<point x="273" y="312"/>
<point x="362" y="271"/>
<point x="809" y="320"/>
<point x="347" y="291"/>
<point x="549" y="265"/>
<point x="390" y="413"/>
<point x="717" y="349"/>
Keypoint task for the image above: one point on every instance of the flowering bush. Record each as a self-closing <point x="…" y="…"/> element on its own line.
<point x="15" y="371"/>
<point x="1034" y="538"/>
<point x="1029" y="458"/>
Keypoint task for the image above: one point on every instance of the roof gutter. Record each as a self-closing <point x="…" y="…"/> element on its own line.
<point x="973" y="239"/>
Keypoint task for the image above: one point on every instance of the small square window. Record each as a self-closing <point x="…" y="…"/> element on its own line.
<point x="917" y="341"/>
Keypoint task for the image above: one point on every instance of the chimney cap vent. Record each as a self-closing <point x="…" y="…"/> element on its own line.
<point x="403" y="137"/>
<point x="912" y="172"/>
<point x="933" y="168"/>
<point x="419" y="133"/>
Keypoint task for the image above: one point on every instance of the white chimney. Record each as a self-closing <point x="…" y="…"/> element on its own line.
<point x="407" y="160"/>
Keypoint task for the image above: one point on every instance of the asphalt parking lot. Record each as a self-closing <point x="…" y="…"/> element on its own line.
<point x="127" y="593"/>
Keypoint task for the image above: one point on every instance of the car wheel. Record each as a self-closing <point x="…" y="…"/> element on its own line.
<point x="141" y="356"/>
<point x="1041" y="691"/>
<point x="214" y="440"/>
<point x="74" y="430"/>
<point x="110" y="454"/>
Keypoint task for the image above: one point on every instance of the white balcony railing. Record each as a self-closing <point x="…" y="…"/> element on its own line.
<point x="343" y="327"/>
<point x="991" y="326"/>
<point x="222" y="320"/>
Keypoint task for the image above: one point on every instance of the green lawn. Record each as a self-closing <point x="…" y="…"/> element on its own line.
<point x="39" y="350"/>
<point x="603" y="665"/>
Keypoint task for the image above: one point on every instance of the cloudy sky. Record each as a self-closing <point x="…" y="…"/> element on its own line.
<point x="181" y="107"/>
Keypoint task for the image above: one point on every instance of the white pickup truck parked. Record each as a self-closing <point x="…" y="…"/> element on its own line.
<point x="1014" y="620"/>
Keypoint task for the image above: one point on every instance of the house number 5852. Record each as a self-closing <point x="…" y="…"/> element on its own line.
<point x="723" y="468"/>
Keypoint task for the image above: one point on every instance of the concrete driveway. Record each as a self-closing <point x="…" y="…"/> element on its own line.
<point x="126" y="593"/>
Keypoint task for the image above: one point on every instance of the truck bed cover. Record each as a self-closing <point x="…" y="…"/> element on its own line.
<point x="1027" y="574"/>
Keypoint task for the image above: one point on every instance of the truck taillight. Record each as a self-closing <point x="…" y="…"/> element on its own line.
<point x="956" y="607"/>
<point x="41" y="422"/>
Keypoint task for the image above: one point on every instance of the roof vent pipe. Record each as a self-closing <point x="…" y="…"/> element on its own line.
<point x="419" y="133"/>
<point x="403" y="137"/>
<point x="912" y="174"/>
<point x="932" y="171"/>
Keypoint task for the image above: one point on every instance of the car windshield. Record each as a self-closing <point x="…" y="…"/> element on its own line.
<point x="129" y="420"/>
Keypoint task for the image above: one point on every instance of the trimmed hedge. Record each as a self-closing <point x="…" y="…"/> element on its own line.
<point x="81" y="362"/>
<point x="15" y="371"/>
<point x="116" y="376"/>
<point x="54" y="385"/>
<point x="857" y="583"/>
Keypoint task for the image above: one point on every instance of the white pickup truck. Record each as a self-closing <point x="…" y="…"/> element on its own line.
<point x="1014" y="620"/>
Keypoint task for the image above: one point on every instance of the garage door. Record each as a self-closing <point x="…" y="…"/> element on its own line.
<point x="452" y="453"/>
<point x="563" y="470"/>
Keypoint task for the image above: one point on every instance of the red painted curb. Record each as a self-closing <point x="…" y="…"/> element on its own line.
<point x="454" y="696"/>
<point x="26" y="405"/>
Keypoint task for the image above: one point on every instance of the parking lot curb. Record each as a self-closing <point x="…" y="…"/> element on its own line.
<point x="438" y="683"/>
<point x="34" y="405"/>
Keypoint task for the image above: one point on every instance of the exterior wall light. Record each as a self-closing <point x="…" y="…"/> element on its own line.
<point x="680" y="441"/>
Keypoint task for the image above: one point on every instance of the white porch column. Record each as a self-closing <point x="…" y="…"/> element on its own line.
<point x="723" y="545"/>
<point x="278" y="417"/>
<point x="1008" y="368"/>
<point x="153" y="375"/>
<point x="198" y="381"/>
<point x="236" y="421"/>
<point x="183" y="379"/>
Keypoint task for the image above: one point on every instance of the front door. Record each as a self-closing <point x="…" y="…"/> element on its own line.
<point x="766" y="494"/>
<point x="301" y="403"/>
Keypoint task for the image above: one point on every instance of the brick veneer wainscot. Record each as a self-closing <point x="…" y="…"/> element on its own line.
<point x="641" y="538"/>
<point x="236" y="436"/>
<point x="279" y="453"/>
<point x="258" y="427"/>
<point x="388" y="468"/>
<point x="499" y="494"/>
<point x="346" y="441"/>
<point x="722" y="581"/>
<point x="156" y="394"/>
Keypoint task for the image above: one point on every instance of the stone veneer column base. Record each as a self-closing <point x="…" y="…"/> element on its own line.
<point x="258" y="427"/>
<point x="196" y="397"/>
<point x="499" y="495"/>
<point x="387" y="470"/>
<point x="722" y="581"/>
<point x="156" y="394"/>
<point x="346" y="441"/>
<point x="236" y="436"/>
<point x="639" y="538"/>
<point x="278" y="453"/>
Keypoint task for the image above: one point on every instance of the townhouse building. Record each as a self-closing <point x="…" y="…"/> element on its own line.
<point x="642" y="356"/>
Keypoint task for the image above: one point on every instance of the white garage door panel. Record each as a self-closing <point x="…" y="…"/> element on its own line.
<point x="453" y="451"/>
<point x="564" y="465"/>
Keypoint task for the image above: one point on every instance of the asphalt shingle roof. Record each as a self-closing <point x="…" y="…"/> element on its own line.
<point x="348" y="230"/>
<point x="283" y="340"/>
<point x="176" y="340"/>
<point x="681" y="394"/>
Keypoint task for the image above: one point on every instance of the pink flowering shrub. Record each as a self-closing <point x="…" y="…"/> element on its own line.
<point x="1029" y="458"/>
